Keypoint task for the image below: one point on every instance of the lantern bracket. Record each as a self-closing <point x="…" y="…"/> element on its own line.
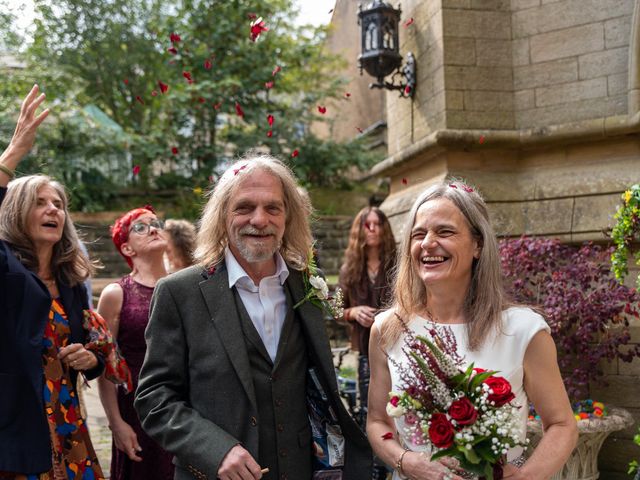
<point x="407" y="82"/>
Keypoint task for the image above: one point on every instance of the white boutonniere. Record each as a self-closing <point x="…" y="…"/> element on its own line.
<point x="317" y="290"/>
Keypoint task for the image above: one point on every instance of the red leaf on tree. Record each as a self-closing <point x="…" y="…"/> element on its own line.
<point x="295" y="153"/>
<point x="359" y="129"/>
<point x="172" y="50"/>
<point x="257" y="27"/>
<point x="270" y="133"/>
<point x="136" y="169"/>
<point x="207" y="65"/>
<point x="276" y="70"/>
<point x="139" y="99"/>
<point x="154" y="93"/>
<point x="405" y="181"/>
<point x="347" y="94"/>
<point x="481" y="139"/>
<point x="322" y="109"/>
<point x="270" y="119"/>
<point x="408" y="22"/>
<point x="174" y="150"/>
<point x="174" y="37"/>
<point x="126" y="81"/>
<point x="268" y="85"/>
<point x="239" y="110"/>
<point x="164" y="88"/>
<point x="187" y="75"/>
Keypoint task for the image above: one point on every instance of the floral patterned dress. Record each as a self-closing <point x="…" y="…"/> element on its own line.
<point x="73" y="455"/>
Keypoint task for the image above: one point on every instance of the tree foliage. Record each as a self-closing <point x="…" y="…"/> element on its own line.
<point x="116" y="55"/>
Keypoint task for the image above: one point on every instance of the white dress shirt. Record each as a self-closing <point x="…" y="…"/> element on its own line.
<point x="266" y="303"/>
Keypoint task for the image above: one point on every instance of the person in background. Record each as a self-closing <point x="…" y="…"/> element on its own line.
<point x="449" y="274"/>
<point x="42" y="299"/>
<point x="365" y="279"/>
<point x="125" y="307"/>
<point x="181" y="243"/>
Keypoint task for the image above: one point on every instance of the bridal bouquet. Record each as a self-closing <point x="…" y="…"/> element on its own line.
<point x="464" y="413"/>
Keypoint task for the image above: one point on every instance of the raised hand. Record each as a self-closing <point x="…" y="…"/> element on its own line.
<point x="25" y="133"/>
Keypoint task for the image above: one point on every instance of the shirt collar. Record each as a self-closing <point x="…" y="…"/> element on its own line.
<point x="237" y="274"/>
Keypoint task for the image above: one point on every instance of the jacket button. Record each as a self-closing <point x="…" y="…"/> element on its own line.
<point x="254" y="421"/>
<point x="283" y="453"/>
<point x="280" y="427"/>
<point x="279" y="402"/>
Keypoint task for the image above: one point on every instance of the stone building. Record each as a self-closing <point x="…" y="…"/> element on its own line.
<point x="535" y="102"/>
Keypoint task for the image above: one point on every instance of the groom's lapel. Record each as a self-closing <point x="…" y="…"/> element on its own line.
<point x="222" y="308"/>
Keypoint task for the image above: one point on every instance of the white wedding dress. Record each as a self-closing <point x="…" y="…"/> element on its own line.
<point x="503" y="352"/>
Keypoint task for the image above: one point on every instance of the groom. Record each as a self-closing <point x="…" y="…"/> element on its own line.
<point x="226" y="382"/>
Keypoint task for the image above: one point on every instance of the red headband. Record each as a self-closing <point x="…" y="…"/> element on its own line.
<point x="120" y="229"/>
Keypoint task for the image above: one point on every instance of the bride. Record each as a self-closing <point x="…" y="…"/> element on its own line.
<point x="449" y="273"/>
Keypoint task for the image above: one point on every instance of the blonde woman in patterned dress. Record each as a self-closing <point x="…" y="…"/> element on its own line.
<point x="42" y="297"/>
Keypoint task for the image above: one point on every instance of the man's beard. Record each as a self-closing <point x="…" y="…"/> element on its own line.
<point x="257" y="251"/>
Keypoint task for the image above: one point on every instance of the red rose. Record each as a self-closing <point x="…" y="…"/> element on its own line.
<point x="394" y="400"/>
<point x="501" y="390"/>
<point x="463" y="411"/>
<point x="441" y="431"/>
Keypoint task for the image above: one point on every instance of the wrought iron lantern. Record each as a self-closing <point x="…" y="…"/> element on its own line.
<point x="380" y="55"/>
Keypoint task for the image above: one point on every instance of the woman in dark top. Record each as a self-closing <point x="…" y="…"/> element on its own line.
<point x="365" y="281"/>
<point x="125" y="307"/>
<point x="42" y="298"/>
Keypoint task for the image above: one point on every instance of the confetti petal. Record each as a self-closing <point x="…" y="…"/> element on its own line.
<point x="359" y="129"/>
<point x="270" y="120"/>
<point x="187" y="75"/>
<point x="481" y="139"/>
<point x="217" y="105"/>
<point x="154" y="93"/>
<point x="330" y="11"/>
<point x="201" y="99"/>
<point x="164" y="88"/>
<point x="207" y="65"/>
<point x="126" y="81"/>
<point x="257" y="27"/>
<point x="136" y="169"/>
<point x="295" y="153"/>
<point x="270" y="133"/>
<point x="252" y="16"/>
<point x="387" y="436"/>
<point x="236" y="171"/>
<point x="174" y="150"/>
<point x="407" y="90"/>
<point x="268" y="85"/>
<point x="347" y="95"/>
<point x="322" y="109"/>
<point x="239" y="110"/>
<point x="174" y="37"/>
<point x="408" y="22"/>
<point x="139" y="99"/>
<point x="405" y="181"/>
<point x="276" y="70"/>
<point x="172" y="50"/>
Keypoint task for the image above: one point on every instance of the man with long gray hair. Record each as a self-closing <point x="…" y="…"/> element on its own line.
<point x="237" y="383"/>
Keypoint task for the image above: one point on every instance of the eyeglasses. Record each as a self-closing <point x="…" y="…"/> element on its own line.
<point x="142" y="228"/>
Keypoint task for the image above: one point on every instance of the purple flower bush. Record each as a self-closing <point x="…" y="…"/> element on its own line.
<point x="587" y="309"/>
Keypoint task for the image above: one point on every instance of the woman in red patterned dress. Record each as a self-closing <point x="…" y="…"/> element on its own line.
<point x="42" y="298"/>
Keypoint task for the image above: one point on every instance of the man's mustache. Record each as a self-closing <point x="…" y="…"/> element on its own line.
<point x="249" y="230"/>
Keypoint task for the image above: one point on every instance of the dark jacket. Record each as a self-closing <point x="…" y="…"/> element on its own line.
<point x="196" y="394"/>
<point x="25" y="303"/>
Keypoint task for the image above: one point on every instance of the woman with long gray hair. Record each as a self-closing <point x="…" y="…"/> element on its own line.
<point x="449" y="277"/>
<point x="42" y="299"/>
